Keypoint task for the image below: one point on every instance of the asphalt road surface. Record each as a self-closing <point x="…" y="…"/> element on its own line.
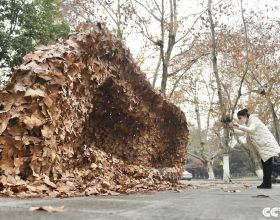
<point x="210" y="200"/>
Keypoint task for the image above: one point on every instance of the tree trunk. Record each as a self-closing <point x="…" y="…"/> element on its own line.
<point x="171" y="42"/>
<point x="226" y="171"/>
<point x="210" y="171"/>
<point x="225" y="142"/>
<point x="164" y="77"/>
<point x="156" y="72"/>
<point x="118" y="19"/>
<point x="275" y="120"/>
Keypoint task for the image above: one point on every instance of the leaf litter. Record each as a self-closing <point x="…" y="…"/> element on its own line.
<point x="79" y="118"/>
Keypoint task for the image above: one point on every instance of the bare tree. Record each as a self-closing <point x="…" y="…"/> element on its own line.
<point x="117" y="14"/>
<point x="164" y="13"/>
<point x="226" y="103"/>
<point x="204" y="144"/>
<point x="223" y="111"/>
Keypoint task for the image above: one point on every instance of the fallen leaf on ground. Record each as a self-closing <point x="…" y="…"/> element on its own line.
<point x="247" y="185"/>
<point x="177" y="190"/>
<point x="34" y="93"/>
<point x="231" y="190"/>
<point x="48" y="182"/>
<point x="48" y="209"/>
<point x="113" y="193"/>
<point x="91" y="191"/>
<point x="260" y="196"/>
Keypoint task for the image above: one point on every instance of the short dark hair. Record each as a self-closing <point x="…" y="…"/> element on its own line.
<point x="243" y="112"/>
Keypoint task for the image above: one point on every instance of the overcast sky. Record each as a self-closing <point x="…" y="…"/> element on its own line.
<point x="267" y="10"/>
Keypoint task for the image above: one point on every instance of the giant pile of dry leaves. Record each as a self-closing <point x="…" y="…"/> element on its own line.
<point x="79" y="118"/>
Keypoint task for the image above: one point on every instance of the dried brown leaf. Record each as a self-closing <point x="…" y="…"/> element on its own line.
<point x="50" y="209"/>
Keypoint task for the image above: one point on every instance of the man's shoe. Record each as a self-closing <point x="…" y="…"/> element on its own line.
<point x="264" y="186"/>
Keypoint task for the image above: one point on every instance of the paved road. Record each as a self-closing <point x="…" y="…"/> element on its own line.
<point x="212" y="200"/>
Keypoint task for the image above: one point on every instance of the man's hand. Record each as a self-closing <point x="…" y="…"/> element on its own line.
<point x="235" y="125"/>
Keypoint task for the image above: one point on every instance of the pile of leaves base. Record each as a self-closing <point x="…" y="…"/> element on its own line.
<point x="79" y="118"/>
<point x="106" y="176"/>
